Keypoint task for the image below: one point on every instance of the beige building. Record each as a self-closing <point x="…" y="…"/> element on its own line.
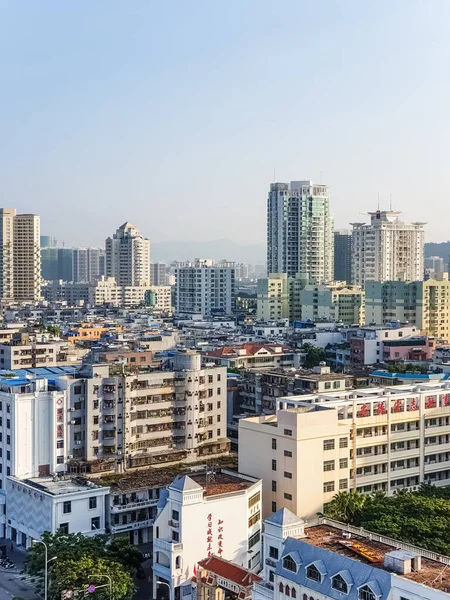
<point x="425" y="304"/>
<point x="383" y="439"/>
<point x="273" y="297"/>
<point x="128" y="256"/>
<point x="334" y="301"/>
<point x="20" y="260"/>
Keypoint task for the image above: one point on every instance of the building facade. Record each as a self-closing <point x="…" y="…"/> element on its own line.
<point x="335" y="302"/>
<point x="158" y="273"/>
<point x="204" y="287"/>
<point x="300" y="230"/>
<point x="88" y="264"/>
<point x="426" y="304"/>
<point x="387" y="249"/>
<point x="128" y="257"/>
<point x="343" y="256"/>
<point x="368" y="440"/>
<point x="273" y="297"/>
<point x="201" y="517"/>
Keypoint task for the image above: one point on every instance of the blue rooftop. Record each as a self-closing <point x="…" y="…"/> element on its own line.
<point x="421" y="376"/>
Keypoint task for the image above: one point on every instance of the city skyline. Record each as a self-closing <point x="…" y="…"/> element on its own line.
<point x="113" y="130"/>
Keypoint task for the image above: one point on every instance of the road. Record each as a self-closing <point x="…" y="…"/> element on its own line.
<point x="14" y="585"/>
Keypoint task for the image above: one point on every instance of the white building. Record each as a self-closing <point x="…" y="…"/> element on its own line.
<point x="387" y="249"/>
<point x="128" y="256"/>
<point x="43" y="504"/>
<point x="158" y="273"/>
<point x="87" y="264"/>
<point x="204" y="287"/>
<point x="332" y="561"/>
<point x="300" y="231"/>
<point x="162" y="298"/>
<point x="369" y="439"/>
<point x="201" y="517"/>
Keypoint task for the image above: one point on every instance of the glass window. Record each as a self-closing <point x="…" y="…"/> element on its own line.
<point x="289" y="564"/>
<point x="339" y="584"/>
<point x="93" y="502"/>
<point x="312" y="572"/>
<point x="67" y="507"/>
<point x="328" y="444"/>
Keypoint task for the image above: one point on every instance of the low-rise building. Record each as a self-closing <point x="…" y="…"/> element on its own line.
<point x="368" y="440"/>
<point x="366" y="343"/>
<point x="253" y="356"/>
<point x="201" y="516"/>
<point x="43" y="504"/>
<point x="333" y="301"/>
<point x="332" y="561"/>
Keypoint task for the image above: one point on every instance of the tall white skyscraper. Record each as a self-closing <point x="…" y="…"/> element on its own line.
<point x="204" y="287"/>
<point x="128" y="256"/>
<point x="387" y="249"/>
<point x="300" y="231"/>
<point x="87" y="264"/>
<point x="20" y="256"/>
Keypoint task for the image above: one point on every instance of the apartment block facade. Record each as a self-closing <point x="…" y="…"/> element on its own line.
<point x="384" y="439"/>
<point x="128" y="257"/>
<point x="204" y="287"/>
<point x="426" y="304"/>
<point x="273" y="297"/>
<point x="387" y="249"/>
<point x="300" y="230"/>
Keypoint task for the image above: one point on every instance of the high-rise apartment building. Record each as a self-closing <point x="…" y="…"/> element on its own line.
<point x="387" y="249"/>
<point x="204" y="287"/>
<point x="27" y="257"/>
<point x="20" y="256"/>
<point x="158" y="273"/>
<point x="273" y="297"/>
<point x="343" y="256"/>
<point x="87" y="265"/>
<point x="57" y="263"/>
<point x="300" y="230"/>
<point x="128" y="256"/>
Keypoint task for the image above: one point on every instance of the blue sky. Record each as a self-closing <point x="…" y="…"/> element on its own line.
<point x="174" y="114"/>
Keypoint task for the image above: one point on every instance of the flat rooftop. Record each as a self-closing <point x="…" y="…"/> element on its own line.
<point x="59" y="486"/>
<point x="222" y="483"/>
<point x="434" y="574"/>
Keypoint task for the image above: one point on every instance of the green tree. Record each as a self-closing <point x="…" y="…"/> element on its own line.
<point x="346" y="507"/>
<point x="54" y="329"/>
<point x="78" y="574"/>
<point x="314" y="355"/>
<point x="123" y="552"/>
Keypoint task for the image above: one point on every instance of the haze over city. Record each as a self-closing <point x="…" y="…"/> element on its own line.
<point x="177" y="115"/>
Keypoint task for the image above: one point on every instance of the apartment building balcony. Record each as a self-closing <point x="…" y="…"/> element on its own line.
<point x="121" y="508"/>
<point x="434" y="448"/>
<point x="370" y="459"/>
<point x="131" y="526"/>
<point x="400" y="472"/>
<point x="437" y="430"/>
<point x="436" y="465"/>
<point x="167" y="546"/>
<point x="401" y="454"/>
<point x="412" y="434"/>
<point x="373" y="478"/>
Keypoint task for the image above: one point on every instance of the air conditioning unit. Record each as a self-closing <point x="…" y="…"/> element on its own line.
<point x="72" y="422"/>
<point x="70" y="456"/>
<point x="78" y="442"/>
<point x="70" y="409"/>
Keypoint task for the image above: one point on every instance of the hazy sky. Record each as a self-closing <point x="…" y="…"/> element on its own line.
<point x="174" y="114"/>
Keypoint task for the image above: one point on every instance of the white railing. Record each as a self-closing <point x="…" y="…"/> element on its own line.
<point x="383" y="539"/>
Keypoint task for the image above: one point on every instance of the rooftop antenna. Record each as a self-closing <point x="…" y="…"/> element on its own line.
<point x="390" y="202"/>
<point x="210" y="472"/>
<point x="378" y="201"/>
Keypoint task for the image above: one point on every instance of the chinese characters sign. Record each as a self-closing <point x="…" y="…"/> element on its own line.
<point x="214" y="536"/>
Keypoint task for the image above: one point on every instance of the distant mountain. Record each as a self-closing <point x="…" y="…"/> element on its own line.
<point x="254" y="254"/>
<point x="441" y="249"/>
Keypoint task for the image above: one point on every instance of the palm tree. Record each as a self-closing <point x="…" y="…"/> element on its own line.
<point x="346" y="507"/>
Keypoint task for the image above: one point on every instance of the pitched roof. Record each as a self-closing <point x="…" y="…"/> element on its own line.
<point x="184" y="483"/>
<point x="249" y="350"/>
<point x="284" y="516"/>
<point x="228" y="570"/>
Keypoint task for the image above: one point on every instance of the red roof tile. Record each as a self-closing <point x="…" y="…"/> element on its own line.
<point x="228" y="570"/>
<point x="250" y="349"/>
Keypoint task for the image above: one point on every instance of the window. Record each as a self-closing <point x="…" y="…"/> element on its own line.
<point x="343" y="442"/>
<point x="67" y="507"/>
<point x="343" y="463"/>
<point x="254" y="539"/>
<point x="95" y="523"/>
<point x="288" y="453"/>
<point x="287" y="590"/>
<point x="288" y="475"/>
<point x="289" y="564"/>
<point x="274" y="444"/>
<point x="312" y="572"/>
<point x="328" y="465"/>
<point x="365" y="592"/>
<point x="271" y="576"/>
<point x="64" y="528"/>
<point x="175" y="536"/>
<point x="338" y="583"/>
<point x="274" y="465"/>
<point x="293" y="593"/>
<point x="274" y="507"/>
<point x="281" y="588"/>
<point x="254" y="519"/>
<point x="60" y="460"/>
<point x="288" y="432"/>
<point x="288" y="496"/>
<point x="60" y="444"/>
<point x="218" y="391"/>
<point x="328" y="444"/>
<point x="96" y="420"/>
<point x="93" y="502"/>
<point x="254" y="499"/>
<point x="343" y="484"/>
<point x="274" y="486"/>
<point x="328" y="486"/>
<point x="273" y="552"/>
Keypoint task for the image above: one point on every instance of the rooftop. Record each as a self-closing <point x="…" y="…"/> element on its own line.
<point x="57" y="487"/>
<point x="248" y="350"/>
<point x="370" y="552"/>
<point x="229" y="571"/>
<point x="223" y="483"/>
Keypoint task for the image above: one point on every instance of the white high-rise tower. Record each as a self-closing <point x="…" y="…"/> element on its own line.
<point x="387" y="249"/>
<point x="128" y="256"/>
<point x="300" y="231"/>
